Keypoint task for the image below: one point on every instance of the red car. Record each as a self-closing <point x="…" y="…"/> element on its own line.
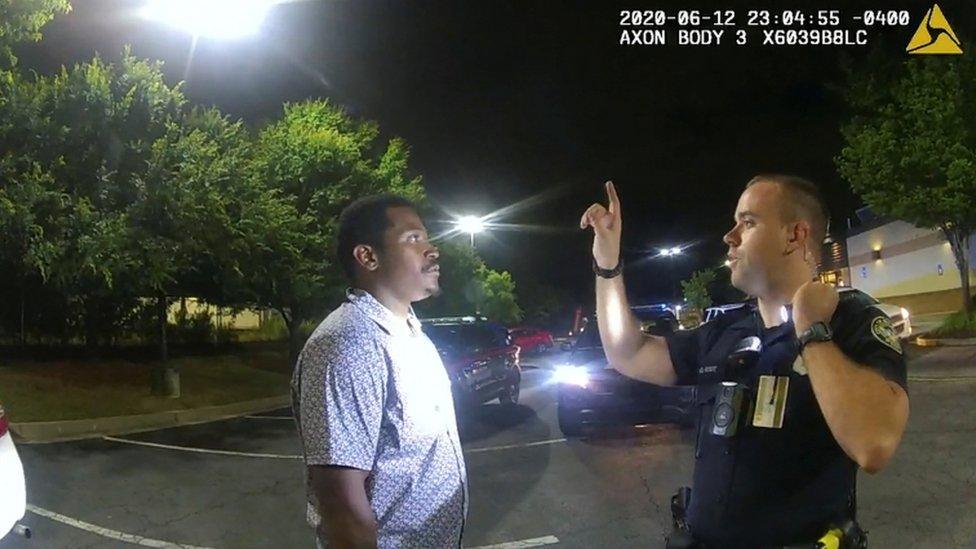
<point x="531" y="340"/>
<point x="480" y="359"/>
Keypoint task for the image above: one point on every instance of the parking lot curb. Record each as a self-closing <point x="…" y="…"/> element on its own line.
<point x="77" y="429"/>
<point x="927" y="342"/>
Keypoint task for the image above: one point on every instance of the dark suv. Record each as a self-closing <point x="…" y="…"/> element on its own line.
<point x="591" y="392"/>
<point x="480" y="358"/>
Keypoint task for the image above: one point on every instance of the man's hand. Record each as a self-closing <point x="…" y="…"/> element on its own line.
<point x="606" y="229"/>
<point x="813" y="302"/>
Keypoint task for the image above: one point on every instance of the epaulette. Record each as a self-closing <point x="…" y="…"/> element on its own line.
<point x="854" y="299"/>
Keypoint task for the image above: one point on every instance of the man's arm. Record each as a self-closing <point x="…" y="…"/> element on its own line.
<point x="627" y="348"/>
<point x="865" y="412"/>
<point x="347" y="518"/>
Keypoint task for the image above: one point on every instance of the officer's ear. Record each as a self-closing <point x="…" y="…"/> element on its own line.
<point x="798" y="238"/>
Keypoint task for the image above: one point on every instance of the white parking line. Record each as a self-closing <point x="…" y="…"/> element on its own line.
<point x="513" y="446"/>
<point x="105" y="532"/>
<point x="201" y="450"/>
<point x="520" y="544"/>
<point x="292" y="456"/>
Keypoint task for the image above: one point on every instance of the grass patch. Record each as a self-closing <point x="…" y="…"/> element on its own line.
<point x="958" y="325"/>
<point x="79" y="389"/>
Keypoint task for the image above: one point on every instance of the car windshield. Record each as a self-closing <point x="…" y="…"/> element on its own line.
<point x="459" y="338"/>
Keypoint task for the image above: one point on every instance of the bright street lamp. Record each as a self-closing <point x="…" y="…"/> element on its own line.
<point x="211" y="18"/>
<point x="472" y="225"/>
<point x="670" y="253"/>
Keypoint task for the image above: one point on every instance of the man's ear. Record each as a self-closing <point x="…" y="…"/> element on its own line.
<point x="798" y="237"/>
<point x="366" y="257"/>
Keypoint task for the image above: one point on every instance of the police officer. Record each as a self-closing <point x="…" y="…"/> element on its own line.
<point x="782" y="435"/>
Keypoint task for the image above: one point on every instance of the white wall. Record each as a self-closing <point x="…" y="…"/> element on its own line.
<point x="903" y="273"/>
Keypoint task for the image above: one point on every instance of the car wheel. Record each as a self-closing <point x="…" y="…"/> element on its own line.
<point x="570" y="422"/>
<point x="510" y="395"/>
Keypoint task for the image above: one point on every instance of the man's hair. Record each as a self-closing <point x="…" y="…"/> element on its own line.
<point x="802" y="199"/>
<point x="363" y="222"/>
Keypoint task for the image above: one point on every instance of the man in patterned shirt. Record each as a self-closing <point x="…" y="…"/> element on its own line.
<point x="372" y="400"/>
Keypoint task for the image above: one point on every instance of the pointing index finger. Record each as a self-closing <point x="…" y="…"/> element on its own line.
<point x="612" y="196"/>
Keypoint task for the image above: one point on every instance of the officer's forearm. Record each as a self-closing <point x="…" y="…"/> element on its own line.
<point x="865" y="412"/>
<point x="619" y="331"/>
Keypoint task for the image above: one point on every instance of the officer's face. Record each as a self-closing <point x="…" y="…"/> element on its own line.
<point x="407" y="260"/>
<point x="757" y="240"/>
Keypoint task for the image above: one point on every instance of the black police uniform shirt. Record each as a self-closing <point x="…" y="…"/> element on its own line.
<point x="767" y="486"/>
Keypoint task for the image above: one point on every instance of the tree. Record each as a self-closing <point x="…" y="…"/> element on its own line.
<point x="911" y="147"/>
<point x="21" y="21"/>
<point x="500" y="304"/>
<point x="313" y="162"/>
<point x="185" y="221"/>
<point x="468" y="287"/>
<point x="462" y="289"/>
<point x="696" y="293"/>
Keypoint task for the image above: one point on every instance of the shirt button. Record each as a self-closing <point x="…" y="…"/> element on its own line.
<point x="728" y="452"/>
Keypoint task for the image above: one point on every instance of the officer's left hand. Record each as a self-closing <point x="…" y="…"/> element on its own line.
<point x="813" y="302"/>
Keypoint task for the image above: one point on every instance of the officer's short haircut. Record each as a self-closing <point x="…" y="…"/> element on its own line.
<point x="363" y="223"/>
<point x="802" y="199"/>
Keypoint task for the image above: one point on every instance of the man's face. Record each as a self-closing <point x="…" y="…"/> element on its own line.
<point x="758" y="239"/>
<point x="407" y="260"/>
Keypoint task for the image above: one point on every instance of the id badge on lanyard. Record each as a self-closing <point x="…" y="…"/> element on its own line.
<point x="770" y="405"/>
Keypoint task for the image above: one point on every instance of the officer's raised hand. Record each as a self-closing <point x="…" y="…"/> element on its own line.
<point x="813" y="302"/>
<point x="606" y="229"/>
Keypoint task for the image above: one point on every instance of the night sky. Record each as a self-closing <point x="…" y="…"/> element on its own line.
<point x="506" y="101"/>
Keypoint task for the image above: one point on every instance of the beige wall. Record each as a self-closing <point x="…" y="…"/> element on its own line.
<point x="244" y="320"/>
<point x="900" y="263"/>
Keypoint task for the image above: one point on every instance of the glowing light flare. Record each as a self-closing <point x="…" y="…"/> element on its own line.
<point x="571" y="375"/>
<point x="226" y="19"/>
<point x="471" y="224"/>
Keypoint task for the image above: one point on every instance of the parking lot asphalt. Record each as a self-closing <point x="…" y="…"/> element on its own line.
<point x="239" y="482"/>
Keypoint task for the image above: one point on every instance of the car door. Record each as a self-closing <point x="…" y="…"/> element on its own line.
<point x="13" y="497"/>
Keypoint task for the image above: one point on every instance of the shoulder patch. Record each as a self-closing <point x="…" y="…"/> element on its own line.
<point x="882" y="330"/>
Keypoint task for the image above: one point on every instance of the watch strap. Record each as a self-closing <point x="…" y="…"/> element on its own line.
<point x="818" y="331"/>
<point x="608" y="273"/>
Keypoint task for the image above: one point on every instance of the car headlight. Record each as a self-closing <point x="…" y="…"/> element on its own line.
<point x="904" y="313"/>
<point x="571" y="375"/>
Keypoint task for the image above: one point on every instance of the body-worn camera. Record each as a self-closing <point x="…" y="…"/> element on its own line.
<point x="731" y="398"/>
<point x="729" y="403"/>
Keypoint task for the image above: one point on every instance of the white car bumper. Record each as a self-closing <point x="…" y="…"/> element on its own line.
<point x="13" y="494"/>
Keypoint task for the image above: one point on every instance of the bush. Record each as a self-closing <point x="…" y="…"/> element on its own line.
<point x="192" y="328"/>
<point x="957" y="324"/>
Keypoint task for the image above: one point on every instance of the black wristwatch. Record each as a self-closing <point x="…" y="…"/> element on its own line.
<point x="608" y="273"/>
<point x="819" y="331"/>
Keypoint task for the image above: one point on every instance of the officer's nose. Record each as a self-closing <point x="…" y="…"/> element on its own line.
<point x="433" y="252"/>
<point x="731" y="238"/>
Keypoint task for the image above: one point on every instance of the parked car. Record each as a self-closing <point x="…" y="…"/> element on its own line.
<point x="900" y="317"/>
<point x="531" y="340"/>
<point x="592" y="393"/>
<point x="13" y="496"/>
<point x="480" y="358"/>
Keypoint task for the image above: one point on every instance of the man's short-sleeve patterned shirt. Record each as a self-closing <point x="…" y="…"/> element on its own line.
<point x="370" y="392"/>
